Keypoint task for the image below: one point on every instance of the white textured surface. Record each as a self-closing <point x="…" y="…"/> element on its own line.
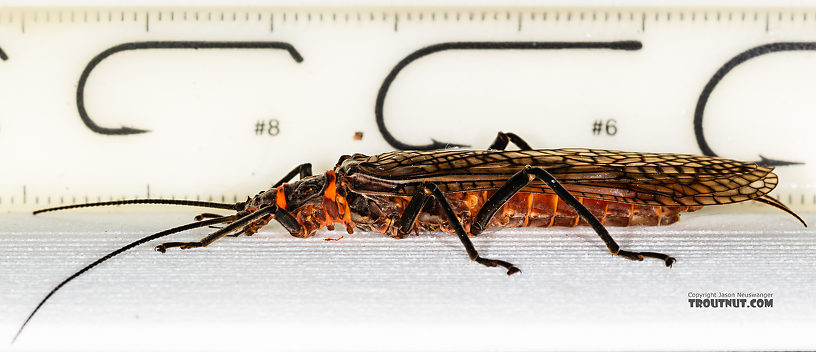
<point x="367" y="292"/>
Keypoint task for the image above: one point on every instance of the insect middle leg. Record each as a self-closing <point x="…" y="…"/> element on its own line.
<point x="527" y="175"/>
<point x="503" y="138"/>
<point x="424" y="193"/>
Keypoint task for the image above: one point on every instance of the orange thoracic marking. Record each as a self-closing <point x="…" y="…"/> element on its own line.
<point x="280" y="198"/>
<point x="331" y="188"/>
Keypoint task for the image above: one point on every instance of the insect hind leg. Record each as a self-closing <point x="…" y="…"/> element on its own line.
<point x="460" y="232"/>
<point x="527" y="175"/>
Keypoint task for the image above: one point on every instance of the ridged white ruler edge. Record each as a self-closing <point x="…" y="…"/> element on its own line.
<point x="313" y="78"/>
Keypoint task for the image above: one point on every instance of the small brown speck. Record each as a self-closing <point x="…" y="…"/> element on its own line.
<point x="358" y="136"/>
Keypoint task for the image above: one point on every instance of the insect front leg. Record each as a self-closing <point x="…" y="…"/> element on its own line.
<point x="527" y="175"/>
<point x="502" y="138"/>
<point x="232" y="227"/>
<point x="433" y="190"/>
<point x="203" y="216"/>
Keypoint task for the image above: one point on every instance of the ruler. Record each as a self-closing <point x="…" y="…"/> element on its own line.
<point x="219" y="103"/>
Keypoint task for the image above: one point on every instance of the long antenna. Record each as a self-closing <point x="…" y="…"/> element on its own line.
<point x="117" y="252"/>
<point x="190" y="203"/>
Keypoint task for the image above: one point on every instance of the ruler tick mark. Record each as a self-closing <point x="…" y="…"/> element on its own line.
<point x="767" y="21"/>
<point x="147" y="21"/>
<point x="271" y="22"/>
<point x="643" y="22"/>
<point x="519" y="23"/>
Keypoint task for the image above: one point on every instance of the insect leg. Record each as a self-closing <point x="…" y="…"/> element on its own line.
<point x="304" y="170"/>
<point x="460" y="231"/>
<point x="409" y="216"/>
<point x="203" y="216"/>
<point x="206" y="241"/>
<point x="525" y="176"/>
<point x="288" y="221"/>
<point x="502" y="138"/>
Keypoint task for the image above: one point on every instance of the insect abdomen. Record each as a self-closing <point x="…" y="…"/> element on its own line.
<point x="522" y="210"/>
<point x="545" y="210"/>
